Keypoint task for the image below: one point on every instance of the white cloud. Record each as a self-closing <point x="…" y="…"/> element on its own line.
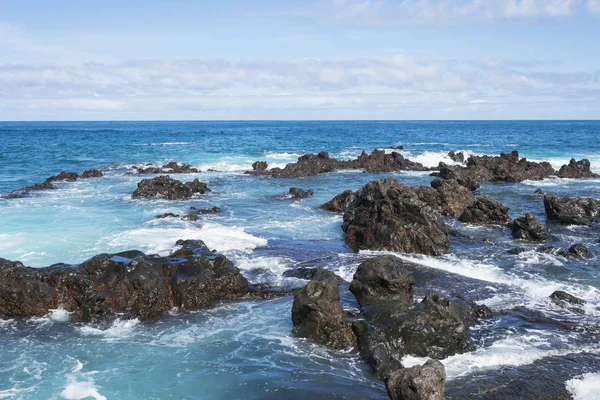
<point x="593" y="6"/>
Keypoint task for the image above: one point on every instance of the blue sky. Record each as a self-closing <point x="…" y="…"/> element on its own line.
<point x="323" y="59"/>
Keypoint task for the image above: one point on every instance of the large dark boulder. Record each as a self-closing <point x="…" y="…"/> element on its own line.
<point x="424" y="382"/>
<point x="383" y="279"/>
<point x="529" y="228"/>
<point x="577" y="170"/>
<point x="575" y="211"/>
<point x="580" y="251"/>
<point x="92" y="173"/>
<point x="387" y="215"/>
<point x="485" y="210"/>
<point x="169" y="188"/>
<point x="129" y="283"/>
<point x="260" y="166"/>
<point x="339" y="202"/>
<point x="317" y="313"/>
<point x="297" y="193"/>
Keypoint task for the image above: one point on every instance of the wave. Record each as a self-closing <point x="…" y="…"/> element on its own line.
<point x="584" y="387"/>
<point x="118" y="329"/>
<point x="81" y="385"/>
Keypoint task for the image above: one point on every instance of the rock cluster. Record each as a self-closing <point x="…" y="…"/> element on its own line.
<point x="171" y="167"/>
<point x="48" y="183"/>
<point x="577" y="170"/>
<point x="130" y="282"/>
<point x="169" y="188"/>
<point x="575" y="211"/>
<point x="297" y="193"/>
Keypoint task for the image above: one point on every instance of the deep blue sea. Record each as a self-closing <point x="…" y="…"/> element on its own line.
<point x="245" y="350"/>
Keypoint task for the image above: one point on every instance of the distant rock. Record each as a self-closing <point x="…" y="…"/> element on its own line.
<point x="577" y="170"/>
<point x="317" y="313"/>
<point x="457" y="157"/>
<point x="92" y="173"/>
<point x="425" y="382"/>
<point x="387" y="215"/>
<point x="260" y="166"/>
<point x="485" y="210"/>
<point x="212" y="210"/>
<point x="63" y="177"/>
<point x="529" y="228"/>
<point x="539" y="192"/>
<point x="171" y="167"/>
<point x="575" y="211"/>
<point x="297" y="193"/>
<point x="169" y="188"/>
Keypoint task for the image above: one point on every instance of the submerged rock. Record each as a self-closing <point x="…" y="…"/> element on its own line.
<point x="529" y="228"/>
<point x="171" y="167"/>
<point x="424" y="382"/>
<point x="297" y="193"/>
<point x="561" y="298"/>
<point x="577" y="170"/>
<point x="92" y="173"/>
<point x="317" y="313"/>
<point x="129" y="282"/>
<point x="339" y="202"/>
<point x="169" y="188"/>
<point x="212" y="210"/>
<point x="387" y="215"/>
<point x="485" y="210"/>
<point x="580" y="251"/>
<point x="576" y="211"/>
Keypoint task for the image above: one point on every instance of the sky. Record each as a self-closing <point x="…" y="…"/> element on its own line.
<point x="290" y="59"/>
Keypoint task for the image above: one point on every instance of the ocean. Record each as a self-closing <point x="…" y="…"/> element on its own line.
<point x="244" y="349"/>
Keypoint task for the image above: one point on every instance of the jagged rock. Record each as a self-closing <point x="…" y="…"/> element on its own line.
<point x="339" y="202"/>
<point x="317" y="313"/>
<point x="170" y="188"/>
<point x="577" y="170"/>
<point x="260" y="166"/>
<point x="27" y="189"/>
<point x="63" y="177"/>
<point x="503" y="168"/>
<point x="297" y="193"/>
<point x="485" y="210"/>
<point x="128" y="282"/>
<point x="457" y="157"/>
<point x="576" y="211"/>
<point x="92" y="173"/>
<point x="454" y="197"/>
<point x="397" y="147"/>
<point x="580" y="251"/>
<point x="425" y="382"/>
<point x="387" y="215"/>
<point x="168" y="215"/>
<point x="562" y="298"/>
<point x="190" y="217"/>
<point x="529" y="228"/>
<point x="171" y="167"/>
<point x="382" y="279"/>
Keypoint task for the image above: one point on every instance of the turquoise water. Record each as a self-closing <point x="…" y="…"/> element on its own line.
<point x="244" y="349"/>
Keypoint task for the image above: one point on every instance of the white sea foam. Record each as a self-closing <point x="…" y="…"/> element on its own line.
<point x="60" y="315"/>
<point x="515" y="350"/>
<point x="80" y="386"/>
<point x="282" y="156"/>
<point x="162" y="240"/>
<point x="268" y="269"/>
<point x="584" y="387"/>
<point x="118" y="329"/>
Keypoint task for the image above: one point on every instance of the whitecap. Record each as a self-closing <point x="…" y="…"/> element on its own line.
<point x="584" y="387"/>
<point x="118" y="329"/>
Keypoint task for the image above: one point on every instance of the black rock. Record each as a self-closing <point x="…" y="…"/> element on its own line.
<point x="317" y="313"/>
<point x="529" y="228"/>
<point x="301" y="273"/>
<point x="63" y="177"/>
<point x="169" y="188"/>
<point x="212" y="210"/>
<point x="576" y="211"/>
<point x="457" y="157"/>
<point x="387" y="215"/>
<point x="425" y="382"/>
<point x="92" y="173"/>
<point x="561" y="298"/>
<point x="168" y="215"/>
<point x="485" y="210"/>
<point x="539" y="192"/>
<point x="339" y="202"/>
<point x="260" y="166"/>
<point x="577" y="170"/>
<point x="129" y="282"/>
<point x="297" y="193"/>
<point x="580" y="251"/>
<point x="171" y="168"/>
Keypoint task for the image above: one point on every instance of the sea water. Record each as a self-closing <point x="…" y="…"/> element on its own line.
<point x="245" y="350"/>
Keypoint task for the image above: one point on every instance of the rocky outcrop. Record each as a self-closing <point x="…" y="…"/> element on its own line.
<point x="260" y="166"/>
<point x="297" y="193"/>
<point x="313" y="164"/>
<point x="529" y="228"/>
<point x="169" y="188"/>
<point x="212" y="210"/>
<point x="580" y="251"/>
<point x="574" y="211"/>
<point x="383" y="279"/>
<point x="485" y="210"/>
<point x="130" y="283"/>
<point x="317" y="313"/>
<point x="92" y="173"/>
<point x="577" y="170"/>
<point x="63" y="177"/>
<point x="568" y="301"/>
<point x="171" y="167"/>
<point x="339" y="202"/>
<point x="387" y="215"/>
<point x="453" y="197"/>
<point x="456" y="157"/>
<point x="502" y="168"/>
<point x="424" y="382"/>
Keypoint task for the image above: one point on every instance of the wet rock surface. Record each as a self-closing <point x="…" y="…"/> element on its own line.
<point x="575" y="211"/>
<point x="529" y="228"/>
<point x="577" y="170"/>
<point x="485" y="211"/>
<point x="297" y="193"/>
<point x="92" y="173"/>
<point x="317" y="313"/>
<point x="171" y="167"/>
<point x="387" y="215"/>
<point x="424" y="382"/>
<point x="339" y="202"/>
<point x="169" y="188"/>
<point x="130" y="282"/>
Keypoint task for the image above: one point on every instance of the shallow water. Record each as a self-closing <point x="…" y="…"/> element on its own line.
<point x="244" y="349"/>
